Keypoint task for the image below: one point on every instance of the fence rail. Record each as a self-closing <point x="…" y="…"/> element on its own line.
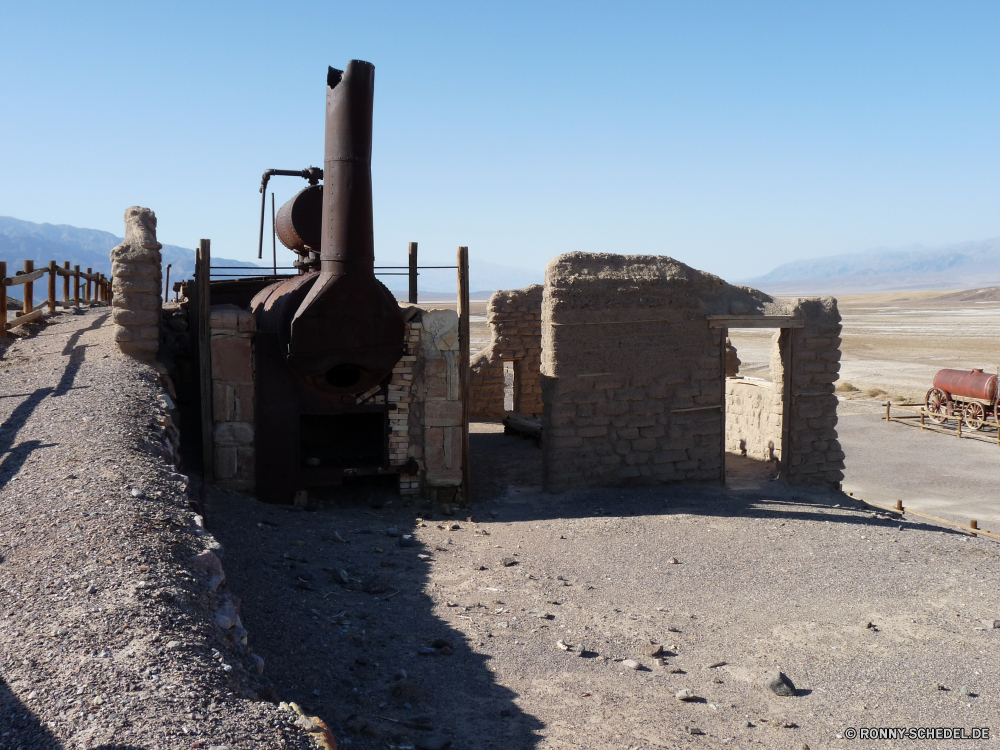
<point x="96" y="290"/>
<point x="923" y="415"/>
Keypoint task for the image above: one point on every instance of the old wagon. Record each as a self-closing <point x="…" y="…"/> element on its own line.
<point x="970" y="394"/>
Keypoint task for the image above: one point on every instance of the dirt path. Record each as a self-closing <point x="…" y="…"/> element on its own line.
<point x="765" y="579"/>
<point x="107" y="633"/>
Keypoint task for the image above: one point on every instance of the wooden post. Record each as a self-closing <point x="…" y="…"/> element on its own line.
<point x="463" y="364"/>
<point x="29" y="288"/>
<point x="960" y="425"/>
<point x="76" y="286"/>
<point x="787" y="383"/>
<point x="166" y="285"/>
<point x="90" y="288"/>
<point x="203" y="272"/>
<point x="3" y="300"/>
<point x="724" y="334"/>
<point x="66" y="285"/>
<point x="888" y="405"/>
<point x="899" y="505"/>
<point x="413" y="273"/>
<point x="52" y="286"/>
<point x="974" y="524"/>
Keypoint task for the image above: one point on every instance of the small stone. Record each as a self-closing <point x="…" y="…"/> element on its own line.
<point x="422" y="556"/>
<point x="693" y="730"/>
<point x="563" y="646"/>
<point x="338" y="538"/>
<point x="400" y="675"/>
<point x="685" y="695"/>
<point x="392" y="532"/>
<point x="631" y="664"/>
<point x="304" y="723"/>
<point x="991" y="624"/>
<point x="508" y="561"/>
<point x="673" y="561"/>
<point x="258" y="663"/>
<point x="541" y="614"/>
<point x="654" y="650"/>
<point x="407" y="540"/>
<point x="677" y="670"/>
<point x="779" y="684"/>
<point x="227" y="668"/>
<point x="454" y="527"/>
<point x="136" y="492"/>
<point x="173" y="645"/>
<point x="964" y="690"/>
<point x="716" y="665"/>
<point x="441" y="643"/>
<point x="672" y="629"/>
<point x="340" y="576"/>
<point x="91" y="589"/>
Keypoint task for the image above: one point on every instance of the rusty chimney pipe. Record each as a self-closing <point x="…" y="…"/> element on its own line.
<point x="348" y="242"/>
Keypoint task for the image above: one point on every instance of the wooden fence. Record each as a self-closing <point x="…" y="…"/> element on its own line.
<point x="96" y="289"/>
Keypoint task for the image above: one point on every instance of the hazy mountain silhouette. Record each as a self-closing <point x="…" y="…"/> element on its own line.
<point x="960" y="266"/>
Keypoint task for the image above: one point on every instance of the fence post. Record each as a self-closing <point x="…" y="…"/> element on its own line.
<point x="413" y="273"/>
<point x="76" y="286"/>
<point x="66" y="285"/>
<point x="29" y="289"/>
<point x="52" y="286"/>
<point x="3" y="299"/>
<point x="90" y="289"/>
<point x="463" y="364"/>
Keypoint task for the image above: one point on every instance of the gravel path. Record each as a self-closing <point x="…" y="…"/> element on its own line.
<point x="876" y="625"/>
<point x="106" y="629"/>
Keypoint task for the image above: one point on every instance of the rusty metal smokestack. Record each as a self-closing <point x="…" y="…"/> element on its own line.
<point x="347" y="334"/>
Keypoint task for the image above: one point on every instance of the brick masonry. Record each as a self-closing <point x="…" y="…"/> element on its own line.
<point x="136" y="286"/>
<point x="514" y="317"/>
<point x="632" y="380"/>
<point x="233" y="396"/>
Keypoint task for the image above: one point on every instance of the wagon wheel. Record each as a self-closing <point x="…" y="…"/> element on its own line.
<point x="937" y="403"/>
<point x="974" y="415"/>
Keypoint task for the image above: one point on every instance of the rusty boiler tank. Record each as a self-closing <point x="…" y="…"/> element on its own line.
<point x="328" y="339"/>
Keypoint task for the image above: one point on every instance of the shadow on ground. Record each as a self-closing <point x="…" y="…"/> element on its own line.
<point x="347" y="628"/>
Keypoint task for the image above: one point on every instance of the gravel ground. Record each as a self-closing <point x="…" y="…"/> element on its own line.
<point x="876" y="622"/>
<point x="106" y="629"/>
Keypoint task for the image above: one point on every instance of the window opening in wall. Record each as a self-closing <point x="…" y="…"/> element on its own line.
<point x="754" y="407"/>
<point x="509" y="383"/>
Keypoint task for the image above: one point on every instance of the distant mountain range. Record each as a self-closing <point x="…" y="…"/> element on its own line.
<point x="90" y="248"/>
<point x="962" y="266"/>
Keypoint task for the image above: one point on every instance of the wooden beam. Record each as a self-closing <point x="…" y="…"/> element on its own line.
<point x="52" y="286"/>
<point x="463" y="364"/>
<point x="413" y="273"/>
<point x="754" y="321"/>
<point x="203" y="275"/>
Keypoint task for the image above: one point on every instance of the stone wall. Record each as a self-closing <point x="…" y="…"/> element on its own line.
<point x="753" y="418"/>
<point x="815" y="455"/>
<point x="233" y="396"/>
<point x="632" y="377"/>
<point x="136" y="280"/>
<point x="425" y="416"/>
<point x="514" y="317"/>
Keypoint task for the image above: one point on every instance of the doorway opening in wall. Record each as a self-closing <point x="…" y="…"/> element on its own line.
<point x="511" y="386"/>
<point x="756" y="400"/>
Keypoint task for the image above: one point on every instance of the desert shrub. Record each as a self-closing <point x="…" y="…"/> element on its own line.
<point x="846" y="387"/>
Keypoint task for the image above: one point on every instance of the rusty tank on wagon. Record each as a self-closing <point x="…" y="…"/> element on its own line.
<point x="328" y="338"/>
<point x="970" y="394"/>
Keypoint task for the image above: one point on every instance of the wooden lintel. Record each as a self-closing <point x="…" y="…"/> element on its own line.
<point x="754" y="321"/>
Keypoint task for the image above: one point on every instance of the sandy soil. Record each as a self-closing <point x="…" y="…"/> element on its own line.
<point x="876" y="622"/>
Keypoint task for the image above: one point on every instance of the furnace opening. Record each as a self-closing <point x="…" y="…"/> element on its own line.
<point x="342" y="441"/>
<point x="344" y="376"/>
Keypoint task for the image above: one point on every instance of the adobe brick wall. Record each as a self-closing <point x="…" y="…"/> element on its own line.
<point x="632" y="380"/>
<point x="136" y="286"/>
<point x="233" y="396"/>
<point x="753" y="418"/>
<point x="514" y="317"/>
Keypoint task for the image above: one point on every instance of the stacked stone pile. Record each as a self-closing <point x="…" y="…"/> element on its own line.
<point x="135" y="268"/>
<point x="514" y="317"/>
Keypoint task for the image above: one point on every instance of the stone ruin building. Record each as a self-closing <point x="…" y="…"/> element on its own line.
<point x="639" y="382"/>
<point x="136" y="272"/>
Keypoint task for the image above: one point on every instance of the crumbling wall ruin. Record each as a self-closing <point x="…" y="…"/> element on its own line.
<point x="633" y="373"/>
<point x="136" y="272"/>
<point x="514" y="317"/>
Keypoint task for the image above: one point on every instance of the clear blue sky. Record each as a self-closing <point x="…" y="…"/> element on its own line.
<point x="732" y="136"/>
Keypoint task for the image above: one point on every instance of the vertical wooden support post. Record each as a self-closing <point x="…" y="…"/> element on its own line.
<point x="787" y="383"/>
<point x="52" y="286"/>
<point x="888" y="406"/>
<point x="413" y="273"/>
<point x="3" y="299"/>
<point x="723" y="335"/>
<point x="76" y="286"/>
<point x="960" y="424"/>
<point x="899" y="506"/>
<point x="974" y="524"/>
<point x="66" y="285"/>
<point x="203" y="275"/>
<point x="90" y="288"/>
<point x="463" y="364"/>
<point x="29" y="288"/>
